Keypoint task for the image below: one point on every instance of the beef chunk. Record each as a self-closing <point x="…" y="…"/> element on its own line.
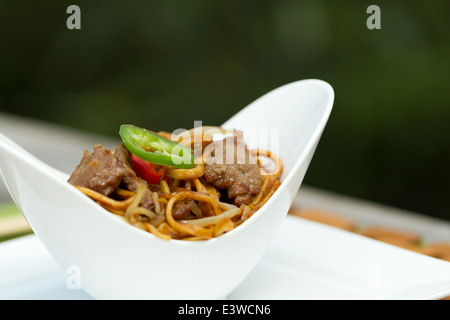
<point x="181" y="210"/>
<point x="103" y="171"/>
<point x="233" y="169"/>
<point x="98" y="170"/>
<point x="130" y="179"/>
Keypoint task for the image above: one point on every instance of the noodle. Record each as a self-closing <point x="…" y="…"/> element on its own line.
<point x="223" y="226"/>
<point x="136" y="201"/>
<point x="270" y="192"/>
<point x="156" y="202"/>
<point x="246" y="212"/>
<point x="164" y="186"/>
<point x="264" y="187"/>
<point x="198" y="134"/>
<point x="203" y="222"/>
<point x="156" y="232"/>
<point x="185" y="174"/>
<point x="199" y="186"/>
<point x="189" y="228"/>
<point x="279" y="167"/>
<point x="106" y="201"/>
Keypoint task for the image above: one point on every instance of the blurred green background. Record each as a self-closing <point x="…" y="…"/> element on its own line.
<point x="164" y="64"/>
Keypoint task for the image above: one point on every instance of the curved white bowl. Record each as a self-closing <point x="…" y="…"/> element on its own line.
<point x="115" y="260"/>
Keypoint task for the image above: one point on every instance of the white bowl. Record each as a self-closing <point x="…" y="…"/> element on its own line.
<point x="114" y="260"/>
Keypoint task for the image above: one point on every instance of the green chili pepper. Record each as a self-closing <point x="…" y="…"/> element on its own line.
<point x="150" y="146"/>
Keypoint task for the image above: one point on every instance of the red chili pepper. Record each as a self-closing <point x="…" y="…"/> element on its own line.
<point x="147" y="171"/>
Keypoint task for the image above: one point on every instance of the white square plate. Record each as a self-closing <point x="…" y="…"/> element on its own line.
<point x="306" y="260"/>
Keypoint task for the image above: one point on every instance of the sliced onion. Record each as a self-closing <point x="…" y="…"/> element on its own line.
<point x="203" y="222"/>
<point x="226" y="206"/>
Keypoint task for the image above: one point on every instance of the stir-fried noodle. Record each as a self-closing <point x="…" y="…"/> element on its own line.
<point x="211" y="214"/>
